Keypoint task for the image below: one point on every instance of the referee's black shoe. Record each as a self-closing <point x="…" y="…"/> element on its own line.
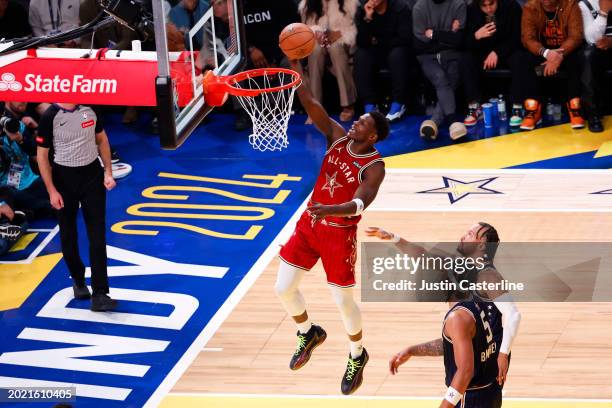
<point x="80" y="291"/>
<point x="353" y="376"/>
<point x="306" y="345"/>
<point x="103" y="303"/>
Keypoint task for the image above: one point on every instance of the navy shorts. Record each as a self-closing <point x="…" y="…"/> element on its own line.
<point x="489" y="397"/>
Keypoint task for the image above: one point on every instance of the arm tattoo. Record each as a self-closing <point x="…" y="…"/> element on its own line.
<point x="430" y="349"/>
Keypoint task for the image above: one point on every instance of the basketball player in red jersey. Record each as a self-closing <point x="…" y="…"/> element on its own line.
<point x="350" y="176"/>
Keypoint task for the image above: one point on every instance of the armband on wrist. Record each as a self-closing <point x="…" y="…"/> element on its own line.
<point x="545" y="53"/>
<point x="453" y="396"/>
<point x="360" y="205"/>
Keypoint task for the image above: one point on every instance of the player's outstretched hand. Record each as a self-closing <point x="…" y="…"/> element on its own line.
<point x="398" y="359"/>
<point x="379" y="233"/>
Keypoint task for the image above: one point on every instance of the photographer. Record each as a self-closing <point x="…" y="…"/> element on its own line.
<point x="16" y="174"/>
<point x="28" y="115"/>
<point x="13" y="224"/>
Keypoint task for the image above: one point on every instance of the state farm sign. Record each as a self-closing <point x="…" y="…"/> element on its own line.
<point x="75" y="84"/>
<point x="78" y="83"/>
<point x="89" y="81"/>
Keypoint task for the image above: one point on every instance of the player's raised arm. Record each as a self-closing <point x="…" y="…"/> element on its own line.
<point x="460" y="327"/>
<point x="373" y="176"/>
<point x="329" y="127"/>
<point x="511" y="318"/>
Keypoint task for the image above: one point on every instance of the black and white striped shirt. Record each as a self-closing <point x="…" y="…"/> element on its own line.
<point x="71" y="134"/>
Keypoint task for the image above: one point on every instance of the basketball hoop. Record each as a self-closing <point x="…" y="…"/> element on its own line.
<point x="267" y="96"/>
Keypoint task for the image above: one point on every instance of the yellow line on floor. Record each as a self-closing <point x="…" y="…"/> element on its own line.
<point x="17" y="281"/>
<point x="508" y="150"/>
<point x="23" y="242"/>
<point x="190" y="401"/>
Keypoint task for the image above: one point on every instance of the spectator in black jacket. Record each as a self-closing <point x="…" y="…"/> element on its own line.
<point x="493" y="39"/>
<point x="263" y="22"/>
<point x="439" y="33"/>
<point x="383" y="39"/>
<point x="13" y="20"/>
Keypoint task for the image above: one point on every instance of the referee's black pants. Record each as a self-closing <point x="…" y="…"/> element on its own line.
<point x="84" y="185"/>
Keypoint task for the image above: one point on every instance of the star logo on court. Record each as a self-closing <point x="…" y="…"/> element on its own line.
<point x="457" y="189"/>
<point x="331" y="184"/>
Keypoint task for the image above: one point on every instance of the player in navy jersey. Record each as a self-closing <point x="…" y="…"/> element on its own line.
<point x="470" y="356"/>
<point x="480" y="241"/>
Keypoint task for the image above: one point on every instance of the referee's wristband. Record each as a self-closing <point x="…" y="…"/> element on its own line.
<point x="453" y="396"/>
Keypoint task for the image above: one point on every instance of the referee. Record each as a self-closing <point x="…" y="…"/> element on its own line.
<point x="74" y="176"/>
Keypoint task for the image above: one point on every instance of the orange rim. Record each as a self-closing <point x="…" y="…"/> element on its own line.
<point x="231" y="80"/>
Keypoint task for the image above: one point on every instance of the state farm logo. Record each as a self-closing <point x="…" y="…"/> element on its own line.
<point x="8" y="82"/>
<point x="76" y="84"/>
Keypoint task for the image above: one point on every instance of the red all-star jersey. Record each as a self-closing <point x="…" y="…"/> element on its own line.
<point x="340" y="176"/>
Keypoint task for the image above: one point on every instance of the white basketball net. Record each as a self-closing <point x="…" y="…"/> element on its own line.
<point x="269" y="111"/>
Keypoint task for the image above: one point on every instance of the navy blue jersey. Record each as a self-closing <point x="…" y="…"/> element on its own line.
<point x="493" y="313"/>
<point x="483" y="344"/>
<point x="495" y="321"/>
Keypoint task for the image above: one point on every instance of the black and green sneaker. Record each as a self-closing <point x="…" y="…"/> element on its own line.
<point x="306" y="345"/>
<point x="353" y="376"/>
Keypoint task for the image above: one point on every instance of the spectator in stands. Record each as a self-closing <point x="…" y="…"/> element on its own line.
<point x="439" y="30"/>
<point x="13" y="20"/>
<point x="493" y="38"/>
<point x="25" y="186"/>
<point x="50" y="17"/>
<point x="551" y="30"/>
<point x="185" y="15"/>
<point x="333" y="22"/>
<point x="221" y="38"/>
<point x="263" y="22"/>
<point x="384" y="38"/>
<point x="598" y="57"/>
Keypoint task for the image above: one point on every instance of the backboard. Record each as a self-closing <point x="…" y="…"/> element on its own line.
<point x="214" y="42"/>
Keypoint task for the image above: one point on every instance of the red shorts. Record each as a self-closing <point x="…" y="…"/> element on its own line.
<point x="335" y="245"/>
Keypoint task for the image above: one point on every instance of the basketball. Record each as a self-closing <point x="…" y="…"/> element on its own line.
<point x="297" y="40"/>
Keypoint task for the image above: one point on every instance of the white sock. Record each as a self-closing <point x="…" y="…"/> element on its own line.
<point x="356" y="349"/>
<point x="304" y="326"/>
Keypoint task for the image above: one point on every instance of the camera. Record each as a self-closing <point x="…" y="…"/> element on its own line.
<point x="132" y="14"/>
<point x="9" y="125"/>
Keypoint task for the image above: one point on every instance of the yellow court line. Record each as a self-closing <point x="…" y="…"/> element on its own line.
<point x="604" y="150"/>
<point x="193" y="401"/>
<point x="23" y="242"/>
<point x="18" y="281"/>
<point x="508" y="150"/>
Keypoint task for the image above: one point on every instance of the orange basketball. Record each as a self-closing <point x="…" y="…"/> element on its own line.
<point x="297" y="40"/>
